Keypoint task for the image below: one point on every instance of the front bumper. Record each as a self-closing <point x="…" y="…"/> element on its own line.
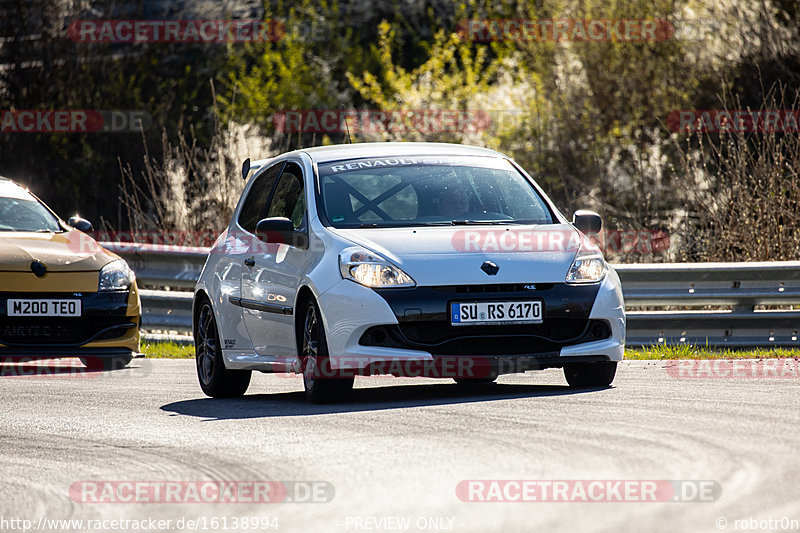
<point x="24" y="354"/>
<point x="390" y="329"/>
<point x="108" y="326"/>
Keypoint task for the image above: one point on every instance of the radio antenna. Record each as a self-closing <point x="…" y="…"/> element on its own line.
<point x="346" y="125"/>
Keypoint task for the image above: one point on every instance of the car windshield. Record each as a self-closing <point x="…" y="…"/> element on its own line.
<point x="421" y="191"/>
<point x="18" y="213"/>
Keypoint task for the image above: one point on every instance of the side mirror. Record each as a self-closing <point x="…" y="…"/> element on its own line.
<point x="275" y="229"/>
<point x="587" y="221"/>
<point x="245" y="168"/>
<point x="80" y="224"/>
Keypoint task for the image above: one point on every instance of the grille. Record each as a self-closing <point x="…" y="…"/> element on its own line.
<point x="499" y="288"/>
<point x="440" y="338"/>
<point x="33" y="331"/>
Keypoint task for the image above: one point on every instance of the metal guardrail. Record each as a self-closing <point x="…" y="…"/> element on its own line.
<point x="740" y="286"/>
<point x="168" y="267"/>
<point x="167" y="310"/>
<point x="733" y="290"/>
<point x="162" y="265"/>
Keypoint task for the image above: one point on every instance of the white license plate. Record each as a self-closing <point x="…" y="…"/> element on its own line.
<point x="44" y="308"/>
<point x="512" y="312"/>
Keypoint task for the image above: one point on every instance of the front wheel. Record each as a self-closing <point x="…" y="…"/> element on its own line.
<point x="215" y="380"/>
<point x="599" y="374"/>
<point x="322" y="384"/>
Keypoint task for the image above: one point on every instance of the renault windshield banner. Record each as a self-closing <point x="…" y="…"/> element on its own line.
<point x="380" y="163"/>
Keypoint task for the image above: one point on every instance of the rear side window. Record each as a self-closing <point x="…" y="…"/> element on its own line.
<point x="255" y="205"/>
<point x="288" y="200"/>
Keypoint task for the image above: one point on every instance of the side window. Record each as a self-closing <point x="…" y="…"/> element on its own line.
<point x="255" y="205"/>
<point x="388" y="193"/>
<point x="288" y="200"/>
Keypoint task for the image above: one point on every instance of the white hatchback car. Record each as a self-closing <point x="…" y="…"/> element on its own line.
<point x="412" y="259"/>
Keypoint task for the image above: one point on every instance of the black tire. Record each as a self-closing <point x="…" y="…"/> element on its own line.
<point x="582" y="375"/>
<point x="321" y="383"/>
<point x="106" y="363"/>
<point x="215" y="380"/>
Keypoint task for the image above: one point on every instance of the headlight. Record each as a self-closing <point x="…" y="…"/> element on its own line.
<point x="116" y="276"/>
<point x="372" y="270"/>
<point x="588" y="267"/>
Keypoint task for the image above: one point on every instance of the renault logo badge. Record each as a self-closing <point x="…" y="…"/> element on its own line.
<point x="38" y="268"/>
<point x="490" y="268"/>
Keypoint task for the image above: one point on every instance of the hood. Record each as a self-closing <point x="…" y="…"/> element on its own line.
<point x="454" y="254"/>
<point x="70" y="251"/>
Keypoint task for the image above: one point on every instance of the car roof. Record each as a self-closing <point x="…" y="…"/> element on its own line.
<point x="11" y="189"/>
<point x="336" y="152"/>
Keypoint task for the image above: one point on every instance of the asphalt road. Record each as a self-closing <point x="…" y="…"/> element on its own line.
<point x="391" y="459"/>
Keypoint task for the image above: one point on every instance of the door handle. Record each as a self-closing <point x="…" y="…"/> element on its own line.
<point x="250" y="262"/>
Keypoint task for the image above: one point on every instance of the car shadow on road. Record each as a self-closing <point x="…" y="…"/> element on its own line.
<point x="50" y="368"/>
<point x="361" y="399"/>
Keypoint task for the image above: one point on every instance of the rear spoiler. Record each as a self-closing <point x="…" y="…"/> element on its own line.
<point x="247" y="166"/>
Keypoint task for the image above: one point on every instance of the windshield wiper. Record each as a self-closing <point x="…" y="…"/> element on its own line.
<point x="480" y="222"/>
<point x="404" y="224"/>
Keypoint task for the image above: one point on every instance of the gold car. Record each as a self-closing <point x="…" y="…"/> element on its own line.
<point x="61" y="294"/>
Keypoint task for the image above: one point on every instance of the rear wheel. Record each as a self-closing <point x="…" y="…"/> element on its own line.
<point x="322" y="384"/>
<point x="106" y="363"/>
<point x="215" y="380"/>
<point x="599" y="374"/>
